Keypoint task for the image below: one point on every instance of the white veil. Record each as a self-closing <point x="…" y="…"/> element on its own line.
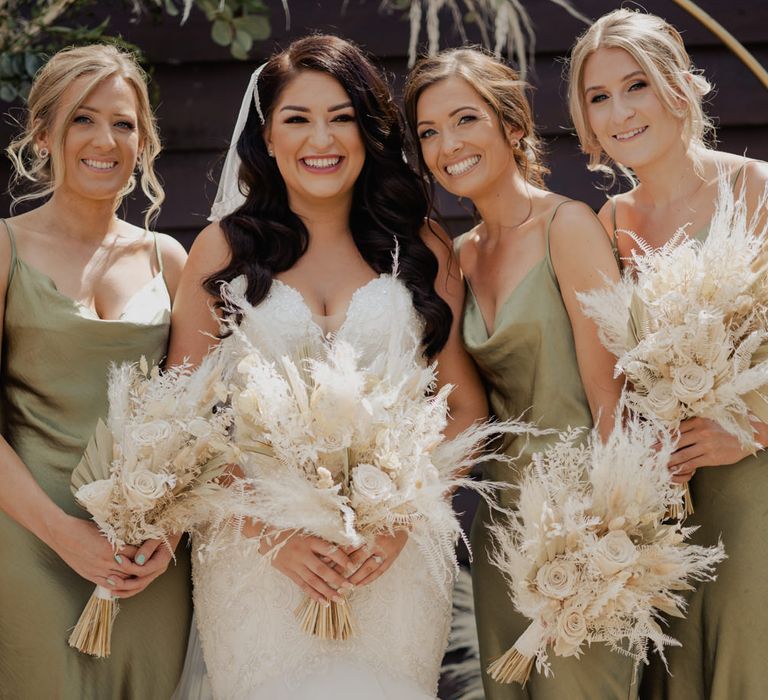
<point x="228" y="196"/>
<point x="194" y="683"/>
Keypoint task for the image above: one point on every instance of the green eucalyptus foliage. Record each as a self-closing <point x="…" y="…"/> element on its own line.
<point x="234" y="23"/>
<point x="32" y="30"/>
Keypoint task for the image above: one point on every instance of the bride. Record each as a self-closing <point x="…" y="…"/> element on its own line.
<point x="314" y="204"/>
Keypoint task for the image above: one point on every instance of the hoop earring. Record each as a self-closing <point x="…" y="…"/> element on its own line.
<point x="43" y="153"/>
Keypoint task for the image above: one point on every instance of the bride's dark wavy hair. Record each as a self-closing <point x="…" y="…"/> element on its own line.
<point x="388" y="205"/>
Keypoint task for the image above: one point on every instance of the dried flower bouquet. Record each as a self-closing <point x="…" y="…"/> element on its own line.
<point x="587" y="552"/>
<point x="148" y="472"/>
<point x="689" y="325"/>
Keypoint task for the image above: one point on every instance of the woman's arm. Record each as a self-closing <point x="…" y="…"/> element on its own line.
<point x="174" y="258"/>
<point x="78" y="542"/>
<point x="583" y="260"/>
<point x="467" y="402"/>
<point x="194" y="326"/>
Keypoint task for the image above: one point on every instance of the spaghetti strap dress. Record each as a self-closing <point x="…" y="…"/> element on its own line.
<point x="53" y="389"/>
<point x="528" y="363"/>
<point x="724" y="636"/>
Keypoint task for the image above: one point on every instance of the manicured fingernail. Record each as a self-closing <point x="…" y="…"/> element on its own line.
<point x="111" y="582"/>
<point x="347" y="589"/>
<point x="118" y="559"/>
<point x="141" y="559"/>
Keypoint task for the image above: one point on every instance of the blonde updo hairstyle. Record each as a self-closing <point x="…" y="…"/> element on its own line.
<point x="659" y="50"/>
<point x="94" y="64"/>
<point x="497" y="84"/>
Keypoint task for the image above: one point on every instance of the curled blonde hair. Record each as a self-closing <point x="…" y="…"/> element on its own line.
<point x="95" y="63"/>
<point x="497" y="84"/>
<point x="659" y="50"/>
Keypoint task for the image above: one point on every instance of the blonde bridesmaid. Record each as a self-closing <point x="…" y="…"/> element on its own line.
<point x="80" y="289"/>
<point x="636" y="102"/>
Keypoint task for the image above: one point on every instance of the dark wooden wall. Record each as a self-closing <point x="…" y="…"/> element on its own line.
<point x="199" y="87"/>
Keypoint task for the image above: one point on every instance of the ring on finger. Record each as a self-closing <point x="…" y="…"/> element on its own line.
<point x="378" y="559"/>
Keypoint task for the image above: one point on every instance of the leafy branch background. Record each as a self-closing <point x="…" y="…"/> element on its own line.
<point x="30" y="30"/>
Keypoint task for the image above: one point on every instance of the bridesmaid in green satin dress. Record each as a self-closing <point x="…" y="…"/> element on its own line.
<point x="539" y="356"/>
<point x="80" y="289"/>
<point x="636" y="101"/>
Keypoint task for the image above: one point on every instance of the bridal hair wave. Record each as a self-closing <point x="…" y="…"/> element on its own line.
<point x="659" y="50"/>
<point x="388" y="205"/>
<point x="497" y="84"/>
<point x="91" y="65"/>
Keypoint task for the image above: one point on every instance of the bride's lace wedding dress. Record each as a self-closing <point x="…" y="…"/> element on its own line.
<point x="253" y="645"/>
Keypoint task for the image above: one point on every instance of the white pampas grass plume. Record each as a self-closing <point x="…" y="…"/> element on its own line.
<point x="505" y="25"/>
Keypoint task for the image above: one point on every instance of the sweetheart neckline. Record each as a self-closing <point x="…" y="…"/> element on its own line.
<point x="311" y="315"/>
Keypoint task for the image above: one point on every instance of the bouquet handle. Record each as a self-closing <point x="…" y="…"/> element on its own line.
<point x="93" y="632"/>
<point x="680" y="511"/>
<point x="331" y="621"/>
<point x="516" y="663"/>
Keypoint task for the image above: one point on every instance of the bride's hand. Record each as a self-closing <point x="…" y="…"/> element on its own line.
<point x="301" y="558"/>
<point x="372" y="562"/>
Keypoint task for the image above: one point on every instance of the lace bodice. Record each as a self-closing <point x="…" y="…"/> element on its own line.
<point x="380" y="319"/>
<point x="253" y="645"/>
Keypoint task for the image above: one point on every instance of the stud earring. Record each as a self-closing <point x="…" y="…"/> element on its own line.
<point x="43" y="153"/>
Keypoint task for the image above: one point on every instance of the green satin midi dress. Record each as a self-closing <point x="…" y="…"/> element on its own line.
<point x="528" y="364"/>
<point x="724" y="636"/>
<point x="53" y="388"/>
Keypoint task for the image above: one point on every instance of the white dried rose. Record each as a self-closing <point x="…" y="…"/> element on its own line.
<point x="614" y="552"/>
<point x="662" y="402"/>
<point x="557" y="579"/>
<point x="143" y="488"/>
<point x="691" y="383"/>
<point x="324" y="478"/>
<point x="371" y="484"/>
<point x="199" y="427"/>
<point x="571" y="632"/>
<point x="96" y="498"/>
<point x="151" y="433"/>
